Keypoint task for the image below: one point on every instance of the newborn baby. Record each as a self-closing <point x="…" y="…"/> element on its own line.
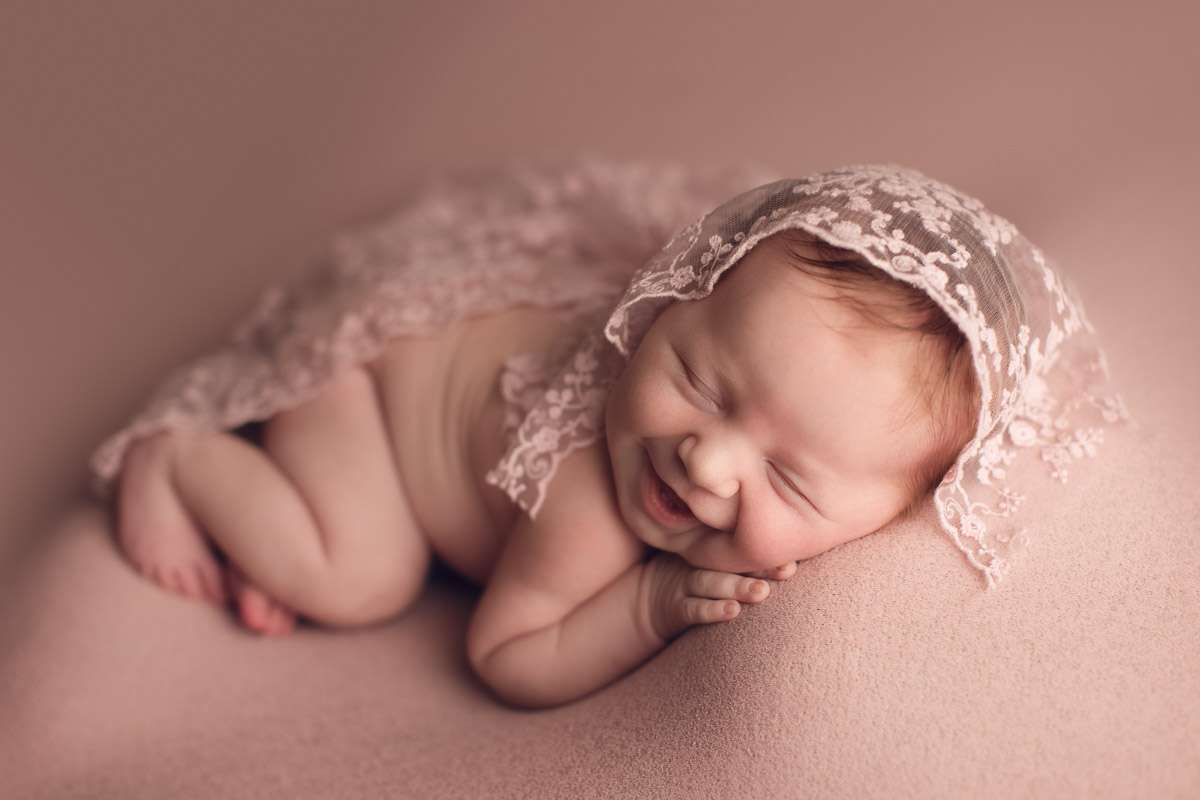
<point x="807" y="401"/>
<point x="810" y="360"/>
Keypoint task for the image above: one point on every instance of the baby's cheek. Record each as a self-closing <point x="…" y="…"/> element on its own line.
<point x="651" y="403"/>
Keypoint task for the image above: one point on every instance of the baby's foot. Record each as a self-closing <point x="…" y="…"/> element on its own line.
<point x="257" y="610"/>
<point x="154" y="529"/>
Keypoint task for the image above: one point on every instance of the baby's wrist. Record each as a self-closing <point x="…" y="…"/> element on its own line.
<point x="659" y="592"/>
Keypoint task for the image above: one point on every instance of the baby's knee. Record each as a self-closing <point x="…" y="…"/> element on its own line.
<point x="351" y="596"/>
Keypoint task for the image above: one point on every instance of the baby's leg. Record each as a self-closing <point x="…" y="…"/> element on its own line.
<point x="258" y="611"/>
<point x="167" y="545"/>
<point x="318" y="519"/>
<point x="328" y="460"/>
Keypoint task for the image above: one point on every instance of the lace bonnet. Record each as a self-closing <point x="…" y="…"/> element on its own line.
<point x="1044" y="382"/>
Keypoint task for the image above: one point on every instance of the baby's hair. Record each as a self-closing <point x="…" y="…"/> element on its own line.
<point x="950" y="394"/>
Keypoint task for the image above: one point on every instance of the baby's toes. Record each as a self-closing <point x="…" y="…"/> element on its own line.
<point x="261" y="613"/>
<point x="276" y="619"/>
<point x="282" y="621"/>
<point x="211" y="583"/>
<point x="232" y="583"/>
<point x="171" y="579"/>
<point x="253" y="608"/>
<point x="189" y="581"/>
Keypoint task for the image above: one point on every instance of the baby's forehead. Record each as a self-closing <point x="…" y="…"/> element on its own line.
<point x="766" y="278"/>
<point x="761" y="308"/>
<point x="784" y="345"/>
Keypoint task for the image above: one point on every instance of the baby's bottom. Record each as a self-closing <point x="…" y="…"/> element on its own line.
<point x="315" y="519"/>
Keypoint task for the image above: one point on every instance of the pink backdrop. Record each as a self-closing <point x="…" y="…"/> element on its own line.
<point x="160" y="163"/>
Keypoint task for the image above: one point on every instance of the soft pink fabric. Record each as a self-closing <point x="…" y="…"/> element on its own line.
<point x="879" y="670"/>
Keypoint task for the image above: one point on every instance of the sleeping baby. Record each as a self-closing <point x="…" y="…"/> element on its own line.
<point x="786" y="375"/>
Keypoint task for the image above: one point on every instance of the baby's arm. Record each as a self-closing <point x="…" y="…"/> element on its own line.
<point x="571" y="606"/>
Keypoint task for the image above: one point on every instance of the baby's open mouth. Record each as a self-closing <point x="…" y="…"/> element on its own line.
<point x="672" y="500"/>
<point x="662" y="501"/>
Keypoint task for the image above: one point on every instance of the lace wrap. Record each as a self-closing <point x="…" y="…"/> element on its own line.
<point x="565" y="234"/>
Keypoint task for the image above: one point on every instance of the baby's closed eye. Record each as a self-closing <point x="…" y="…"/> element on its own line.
<point x="696" y="386"/>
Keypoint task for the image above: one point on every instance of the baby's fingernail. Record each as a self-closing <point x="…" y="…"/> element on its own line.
<point x="756" y="587"/>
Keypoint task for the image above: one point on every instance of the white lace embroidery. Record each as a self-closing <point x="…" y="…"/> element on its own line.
<point x="548" y="419"/>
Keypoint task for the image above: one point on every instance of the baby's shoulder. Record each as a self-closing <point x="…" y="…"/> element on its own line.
<point x="582" y="492"/>
<point x="578" y="541"/>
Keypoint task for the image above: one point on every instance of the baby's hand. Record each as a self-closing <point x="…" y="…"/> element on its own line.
<point x="679" y="595"/>
<point x="780" y="573"/>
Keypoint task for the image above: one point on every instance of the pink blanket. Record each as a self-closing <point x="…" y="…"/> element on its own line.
<point x="880" y="669"/>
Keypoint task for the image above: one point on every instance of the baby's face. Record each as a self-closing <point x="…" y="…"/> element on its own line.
<point x="773" y="412"/>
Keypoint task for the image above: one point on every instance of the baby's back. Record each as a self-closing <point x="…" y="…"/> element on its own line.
<point x="445" y="413"/>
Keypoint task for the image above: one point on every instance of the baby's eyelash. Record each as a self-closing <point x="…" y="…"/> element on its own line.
<point x="786" y="481"/>
<point x="791" y="486"/>
<point x="698" y="385"/>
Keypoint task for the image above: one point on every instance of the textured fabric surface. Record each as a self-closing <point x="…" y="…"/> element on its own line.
<point x="879" y="670"/>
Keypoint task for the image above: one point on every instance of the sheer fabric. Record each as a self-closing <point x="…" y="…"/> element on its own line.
<point x="554" y="234"/>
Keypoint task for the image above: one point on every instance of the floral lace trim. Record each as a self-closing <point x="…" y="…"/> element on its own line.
<point x="556" y="406"/>
<point x="1040" y="424"/>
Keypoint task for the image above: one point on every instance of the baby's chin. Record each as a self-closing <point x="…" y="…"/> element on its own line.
<point x="652" y="536"/>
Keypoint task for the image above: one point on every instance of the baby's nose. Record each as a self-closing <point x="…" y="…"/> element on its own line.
<point x="726" y="490"/>
<point x="704" y="471"/>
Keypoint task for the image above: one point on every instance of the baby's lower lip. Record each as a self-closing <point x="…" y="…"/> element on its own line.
<point x="658" y="511"/>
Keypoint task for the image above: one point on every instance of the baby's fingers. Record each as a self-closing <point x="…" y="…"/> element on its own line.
<point x="780" y="573"/>
<point x="701" y="610"/>
<point x="704" y="583"/>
